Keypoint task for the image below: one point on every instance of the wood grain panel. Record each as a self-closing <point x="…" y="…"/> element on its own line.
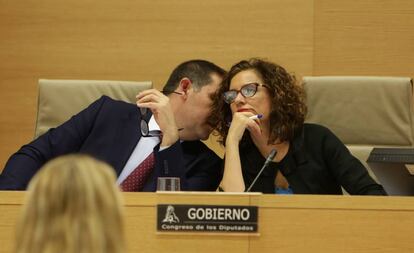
<point x="295" y="223"/>
<point x="367" y="37"/>
<point x="135" y="40"/>
<point x="334" y="224"/>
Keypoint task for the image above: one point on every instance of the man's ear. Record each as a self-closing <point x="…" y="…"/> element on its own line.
<point x="185" y="85"/>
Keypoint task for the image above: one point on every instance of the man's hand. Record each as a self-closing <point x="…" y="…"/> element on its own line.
<point x="160" y="106"/>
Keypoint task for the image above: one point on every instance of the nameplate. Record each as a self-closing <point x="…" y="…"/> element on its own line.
<point x="207" y="218"/>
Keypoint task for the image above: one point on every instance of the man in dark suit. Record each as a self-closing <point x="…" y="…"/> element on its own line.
<point x="166" y="125"/>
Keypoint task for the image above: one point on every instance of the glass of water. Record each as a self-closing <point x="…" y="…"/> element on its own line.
<point x="168" y="184"/>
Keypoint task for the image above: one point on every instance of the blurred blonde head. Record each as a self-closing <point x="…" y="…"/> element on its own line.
<point x="73" y="205"/>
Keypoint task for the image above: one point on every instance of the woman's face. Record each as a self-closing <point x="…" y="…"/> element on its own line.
<point x="259" y="103"/>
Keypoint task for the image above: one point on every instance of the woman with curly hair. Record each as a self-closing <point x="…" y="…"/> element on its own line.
<point x="265" y="99"/>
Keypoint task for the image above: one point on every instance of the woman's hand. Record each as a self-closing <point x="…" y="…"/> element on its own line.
<point x="233" y="177"/>
<point x="242" y="121"/>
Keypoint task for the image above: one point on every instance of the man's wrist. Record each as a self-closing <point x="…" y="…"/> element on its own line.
<point x="169" y="139"/>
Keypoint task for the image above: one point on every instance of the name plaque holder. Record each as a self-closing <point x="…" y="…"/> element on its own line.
<point x="178" y="217"/>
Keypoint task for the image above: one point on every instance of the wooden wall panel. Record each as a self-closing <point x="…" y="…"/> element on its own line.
<point x="144" y="40"/>
<point x="368" y="37"/>
<point x="135" y="40"/>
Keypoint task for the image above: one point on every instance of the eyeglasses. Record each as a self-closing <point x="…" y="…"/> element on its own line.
<point x="247" y="91"/>
<point x="169" y="92"/>
<point x="145" y="132"/>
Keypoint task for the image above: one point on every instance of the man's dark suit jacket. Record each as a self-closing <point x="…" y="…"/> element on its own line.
<point x="109" y="130"/>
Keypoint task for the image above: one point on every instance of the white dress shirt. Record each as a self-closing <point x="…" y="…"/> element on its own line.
<point x="144" y="148"/>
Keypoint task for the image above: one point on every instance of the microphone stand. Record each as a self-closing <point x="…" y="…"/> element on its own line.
<point x="268" y="160"/>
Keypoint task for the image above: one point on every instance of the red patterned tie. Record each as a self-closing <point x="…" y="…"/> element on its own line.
<point x="136" y="180"/>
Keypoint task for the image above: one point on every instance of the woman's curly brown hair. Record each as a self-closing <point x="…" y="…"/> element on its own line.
<point x="288" y="100"/>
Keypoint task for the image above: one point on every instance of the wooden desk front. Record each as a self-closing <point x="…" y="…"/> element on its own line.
<point x="295" y="223"/>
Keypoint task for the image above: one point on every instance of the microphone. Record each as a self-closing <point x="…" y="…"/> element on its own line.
<point x="268" y="160"/>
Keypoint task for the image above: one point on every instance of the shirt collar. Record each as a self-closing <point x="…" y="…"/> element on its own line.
<point x="152" y="124"/>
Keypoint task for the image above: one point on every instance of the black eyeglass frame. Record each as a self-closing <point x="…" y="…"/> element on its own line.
<point x="230" y="95"/>
<point x="145" y="132"/>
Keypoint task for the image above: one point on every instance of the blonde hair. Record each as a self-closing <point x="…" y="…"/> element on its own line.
<point x="73" y="205"/>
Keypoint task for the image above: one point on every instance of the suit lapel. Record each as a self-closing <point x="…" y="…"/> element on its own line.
<point x="129" y="133"/>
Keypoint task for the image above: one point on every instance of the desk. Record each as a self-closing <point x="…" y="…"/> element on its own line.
<point x="297" y="223"/>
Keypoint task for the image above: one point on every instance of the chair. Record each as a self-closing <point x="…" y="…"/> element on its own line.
<point x="58" y="100"/>
<point x="364" y="112"/>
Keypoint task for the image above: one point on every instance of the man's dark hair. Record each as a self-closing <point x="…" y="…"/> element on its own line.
<point x="198" y="71"/>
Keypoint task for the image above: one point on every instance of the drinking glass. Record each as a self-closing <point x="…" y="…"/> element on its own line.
<point x="168" y="184"/>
